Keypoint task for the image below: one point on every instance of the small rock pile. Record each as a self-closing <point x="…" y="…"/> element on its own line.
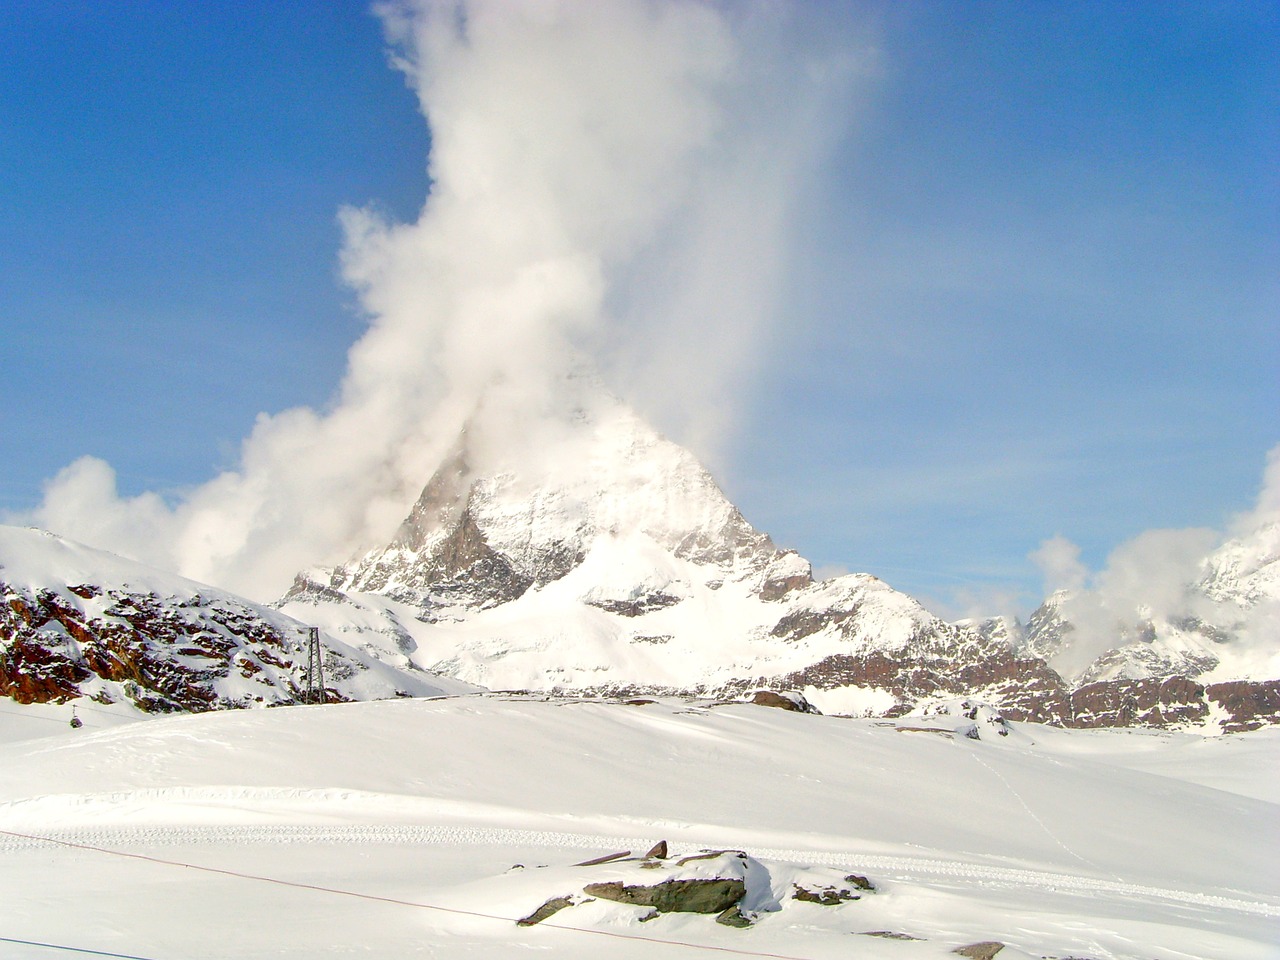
<point x="729" y="884"/>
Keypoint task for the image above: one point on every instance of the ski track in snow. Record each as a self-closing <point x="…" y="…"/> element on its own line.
<point x="900" y="868"/>
<point x="1033" y="815"/>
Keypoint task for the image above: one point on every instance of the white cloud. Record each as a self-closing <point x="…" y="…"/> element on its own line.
<point x="1155" y="577"/>
<point x="612" y="184"/>
<point x="1059" y="561"/>
<point x="1267" y="507"/>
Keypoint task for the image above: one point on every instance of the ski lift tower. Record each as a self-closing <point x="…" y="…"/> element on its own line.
<point x="315" y="669"/>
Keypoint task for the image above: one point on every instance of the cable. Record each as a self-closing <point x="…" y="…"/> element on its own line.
<point x="392" y="900"/>
<point x="78" y="704"/>
<point x="60" y="946"/>
<point x="18" y="713"/>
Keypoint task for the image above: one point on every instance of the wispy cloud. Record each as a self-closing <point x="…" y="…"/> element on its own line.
<point x="1154" y="577"/>
<point x="612" y="186"/>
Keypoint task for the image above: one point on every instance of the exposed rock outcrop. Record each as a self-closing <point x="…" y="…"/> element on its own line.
<point x="161" y="653"/>
<point x="700" y="895"/>
<point x="1245" y="704"/>
<point x="783" y="701"/>
<point x="155" y="640"/>
<point x="730" y="884"/>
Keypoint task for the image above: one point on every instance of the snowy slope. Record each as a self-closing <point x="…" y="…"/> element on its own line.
<point x="370" y="818"/>
<point x="82" y="623"/>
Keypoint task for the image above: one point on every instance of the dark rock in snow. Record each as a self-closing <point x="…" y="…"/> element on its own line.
<point x="548" y="909"/>
<point x="986" y="950"/>
<point x="639" y="606"/>
<point x="658" y="851"/>
<point x="712" y="895"/>
<point x="607" y="858"/>
<point x="1148" y="702"/>
<point x="1248" y="704"/>
<point x="826" y="896"/>
<point x="890" y="935"/>
<point x="783" y="701"/>
<point x="734" y="917"/>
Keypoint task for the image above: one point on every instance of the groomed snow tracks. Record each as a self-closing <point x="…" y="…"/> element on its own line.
<point x="112" y="839"/>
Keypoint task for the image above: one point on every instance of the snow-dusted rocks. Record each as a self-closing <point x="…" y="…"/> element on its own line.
<point x="961" y="718"/>
<point x="77" y="622"/>
<point x="733" y="885"/>
<point x="785" y="700"/>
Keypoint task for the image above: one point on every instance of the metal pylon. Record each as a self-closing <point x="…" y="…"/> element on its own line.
<point x="315" y="692"/>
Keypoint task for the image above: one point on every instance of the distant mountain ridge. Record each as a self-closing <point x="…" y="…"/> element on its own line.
<point x="1226" y="627"/>
<point x="599" y="558"/>
<point x="620" y="567"/>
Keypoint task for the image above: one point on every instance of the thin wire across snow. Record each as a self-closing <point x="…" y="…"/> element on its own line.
<point x="69" y="949"/>
<point x="371" y="897"/>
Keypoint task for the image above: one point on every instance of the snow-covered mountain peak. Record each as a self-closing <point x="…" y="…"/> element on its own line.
<point x="1220" y="626"/>
<point x="614" y="475"/>
<point x="1048" y="629"/>
<point x="1246" y="569"/>
<point x="492" y="523"/>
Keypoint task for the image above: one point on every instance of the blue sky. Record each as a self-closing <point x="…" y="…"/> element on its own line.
<point x="1037" y="294"/>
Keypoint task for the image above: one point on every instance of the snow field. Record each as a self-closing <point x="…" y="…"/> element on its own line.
<point x="1046" y="840"/>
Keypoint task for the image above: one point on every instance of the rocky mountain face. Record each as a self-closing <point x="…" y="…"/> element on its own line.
<point x="77" y="622"/>
<point x="619" y="567"/>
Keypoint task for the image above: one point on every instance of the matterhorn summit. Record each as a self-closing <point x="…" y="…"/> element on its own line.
<point x="606" y="492"/>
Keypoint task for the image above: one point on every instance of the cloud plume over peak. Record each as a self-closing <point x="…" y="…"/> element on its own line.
<point x="1179" y="578"/>
<point x="612" y="184"/>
